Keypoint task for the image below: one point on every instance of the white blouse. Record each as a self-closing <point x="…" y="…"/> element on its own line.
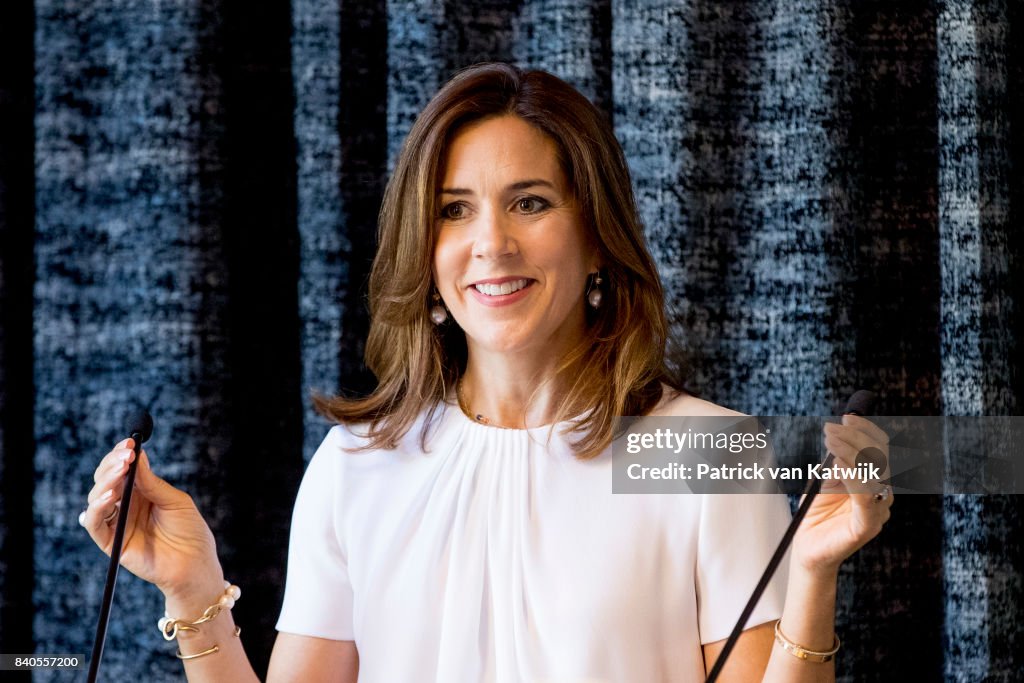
<point x="497" y="555"/>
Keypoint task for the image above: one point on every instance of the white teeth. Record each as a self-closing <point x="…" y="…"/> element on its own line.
<point x="502" y="289"/>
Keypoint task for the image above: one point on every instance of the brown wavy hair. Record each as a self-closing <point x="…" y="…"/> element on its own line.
<point x="617" y="370"/>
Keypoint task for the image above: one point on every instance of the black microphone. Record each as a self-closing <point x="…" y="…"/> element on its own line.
<point x="140" y="427"/>
<point x="861" y="403"/>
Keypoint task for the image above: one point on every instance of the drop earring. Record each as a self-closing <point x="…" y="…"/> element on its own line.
<point x="438" y="313"/>
<point x="594" y="297"/>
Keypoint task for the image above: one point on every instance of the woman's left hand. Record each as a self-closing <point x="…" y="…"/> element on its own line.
<point x="848" y="512"/>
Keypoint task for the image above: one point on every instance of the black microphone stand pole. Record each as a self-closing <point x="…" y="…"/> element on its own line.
<point x="140" y="433"/>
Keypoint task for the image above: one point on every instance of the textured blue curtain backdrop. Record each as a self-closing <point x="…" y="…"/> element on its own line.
<point x="188" y="198"/>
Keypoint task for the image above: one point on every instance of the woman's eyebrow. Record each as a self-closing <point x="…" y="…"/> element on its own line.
<point x="519" y="185"/>
<point x="455" y="190"/>
<point x="526" y="184"/>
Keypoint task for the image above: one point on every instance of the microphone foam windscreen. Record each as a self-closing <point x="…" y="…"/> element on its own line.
<point x="141" y="422"/>
<point x="861" y="403"/>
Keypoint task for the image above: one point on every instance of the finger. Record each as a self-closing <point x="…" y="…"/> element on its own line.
<point x="875" y="434"/>
<point x="92" y="518"/>
<point x="113" y="461"/>
<point x="875" y="451"/>
<point x="113" y="481"/>
<point x="120" y="454"/>
<point x="844" y="466"/>
<point x="156" y="489"/>
<point x="112" y="476"/>
<point x="833" y="486"/>
<point x="844" y="451"/>
<point x="855" y="437"/>
<point x="866" y="426"/>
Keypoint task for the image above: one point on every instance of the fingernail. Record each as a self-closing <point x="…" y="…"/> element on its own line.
<point x="124" y="456"/>
<point x="81" y="518"/>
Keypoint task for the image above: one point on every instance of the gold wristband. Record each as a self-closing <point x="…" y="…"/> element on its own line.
<point x="801" y="652"/>
<point x="213" y="650"/>
<point x="170" y="626"/>
<point x="185" y="658"/>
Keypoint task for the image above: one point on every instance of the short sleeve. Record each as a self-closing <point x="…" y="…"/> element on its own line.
<point x="737" y="537"/>
<point x="318" y="593"/>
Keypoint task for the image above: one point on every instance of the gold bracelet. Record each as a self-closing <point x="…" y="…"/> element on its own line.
<point x="212" y="650"/>
<point x="170" y="626"/>
<point x="184" y="658"/>
<point x="801" y="652"/>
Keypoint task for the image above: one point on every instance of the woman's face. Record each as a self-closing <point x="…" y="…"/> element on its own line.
<point x="512" y="259"/>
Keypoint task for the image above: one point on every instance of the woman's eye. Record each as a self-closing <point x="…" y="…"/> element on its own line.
<point x="530" y="204"/>
<point x="453" y="210"/>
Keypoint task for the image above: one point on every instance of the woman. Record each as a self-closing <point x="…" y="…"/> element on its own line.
<point x="459" y="523"/>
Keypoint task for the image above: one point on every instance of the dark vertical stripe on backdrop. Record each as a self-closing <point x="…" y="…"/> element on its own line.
<point x="997" y="76"/>
<point x="477" y="31"/>
<point x="362" y="131"/>
<point x="886" y="106"/>
<point x="601" y="58"/>
<point x="1014" y="111"/>
<point x="257" y="175"/>
<point x="893" y="167"/>
<point x="17" y="224"/>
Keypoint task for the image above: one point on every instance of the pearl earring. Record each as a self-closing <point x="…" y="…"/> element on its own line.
<point x="438" y="313"/>
<point x="594" y="298"/>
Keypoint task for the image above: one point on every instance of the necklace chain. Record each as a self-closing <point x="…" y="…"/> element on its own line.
<point x="476" y="417"/>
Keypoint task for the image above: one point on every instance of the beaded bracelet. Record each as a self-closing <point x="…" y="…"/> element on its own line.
<point x="801" y="652"/>
<point x="170" y="627"/>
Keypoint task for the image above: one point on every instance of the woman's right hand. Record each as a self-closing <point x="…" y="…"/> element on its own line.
<point x="166" y="541"/>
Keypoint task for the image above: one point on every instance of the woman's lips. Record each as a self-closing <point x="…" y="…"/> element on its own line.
<point x="500" y="299"/>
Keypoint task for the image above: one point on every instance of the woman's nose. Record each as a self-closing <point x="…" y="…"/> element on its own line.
<point x="493" y="236"/>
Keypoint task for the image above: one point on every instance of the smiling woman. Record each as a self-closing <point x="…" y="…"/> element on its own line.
<point x="458" y="524"/>
<point x="510" y="176"/>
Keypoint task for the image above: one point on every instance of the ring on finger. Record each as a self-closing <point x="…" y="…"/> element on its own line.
<point x="884" y="493"/>
<point x="109" y="519"/>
